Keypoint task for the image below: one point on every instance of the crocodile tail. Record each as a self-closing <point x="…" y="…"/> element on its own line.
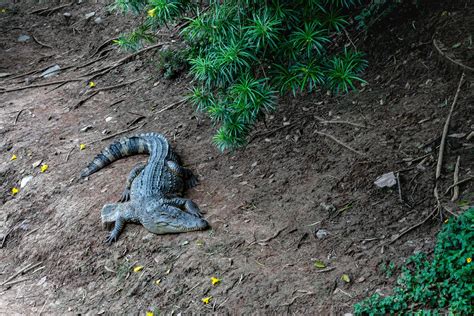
<point x="122" y="148"/>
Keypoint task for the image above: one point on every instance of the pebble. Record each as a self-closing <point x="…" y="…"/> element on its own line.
<point x="23" y="38"/>
<point x="24" y="181"/>
<point x="98" y="20"/>
<point x="51" y="71"/>
<point x="322" y="233"/>
<point x="89" y="15"/>
<point x="86" y="128"/>
<point x="386" y="180"/>
<point x="37" y="163"/>
<point x="108" y="119"/>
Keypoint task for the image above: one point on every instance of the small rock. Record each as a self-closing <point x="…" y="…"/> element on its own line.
<point x="108" y="119"/>
<point x="37" y="163"/>
<point x="348" y="314"/>
<point x="105" y="132"/>
<point x="184" y="243"/>
<point x="322" y="234"/>
<point x="86" y="128"/>
<point x="386" y="180"/>
<point x="24" y="181"/>
<point x="360" y="280"/>
<point x="67" y="15"/>
<point x="98" y="20"/>
<point x="51" y="71"/>
<point x="254" y="164"/>
<point x="327" y="207"/>
<point x="23" y="38"/>
<point x="89" y="15"/>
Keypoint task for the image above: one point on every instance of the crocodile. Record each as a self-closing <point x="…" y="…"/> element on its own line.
<point x="152" y="194"/>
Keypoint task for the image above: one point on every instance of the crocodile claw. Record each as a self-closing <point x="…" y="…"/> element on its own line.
<point x="110" y="239"/>
<point x="125" y="196"/>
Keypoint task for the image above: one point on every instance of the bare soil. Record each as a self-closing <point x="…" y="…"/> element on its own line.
<point x="265" y="202"/>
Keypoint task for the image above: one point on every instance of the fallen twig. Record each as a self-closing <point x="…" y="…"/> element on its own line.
<point x="445" y="130"/>
<point x="116" y="102"/>
<point x="40" y="43"/>
<point x="95" y="91"/>
<point x="325" y="270"/>
<point x="69" y="153"/>
<point x="15" y="282"/>
<point x="339" y="142"/>
<point x="456" y="179"/>
<point x="18" y="116"/>
<point x="170" y="106"/>
<point x="269" y="238"/>
<point x="406" y="231"/>
<point x="42" y="85"/>
<point x="25" y="269"/>
<point x="323" y="121"/>
<point x="399" y="187"/>
<point x="49" y="11"/>
<point x="110" y="40"/>
<point x="458" y="183"/>
<point x="118" y="133"/>
<point x="82" y="101"/>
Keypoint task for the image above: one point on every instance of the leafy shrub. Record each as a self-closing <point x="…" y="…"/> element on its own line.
<point x="244" y="53"/>
<point x="433" y="287"/>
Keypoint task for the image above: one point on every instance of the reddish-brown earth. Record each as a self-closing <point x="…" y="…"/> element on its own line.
<point x="264" y="202"/>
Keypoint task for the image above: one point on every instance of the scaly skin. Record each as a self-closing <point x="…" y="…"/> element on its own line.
<point x="151" y="196"/>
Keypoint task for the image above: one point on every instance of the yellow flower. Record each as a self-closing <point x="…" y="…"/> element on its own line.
<point x="151" y="13"/>
<point x="13" y="157"/>
<point x="206" y="300"/>
<point x="15" y="191"/>
<point x="44" y="168"/>
<point x="82" y="146"/>
<point x="91" y="84"/>
<point x="215" y="280"/>
<point x="149" y="313"/>
<point x="138" y="269"/>
<point x="469" y="260"/>
<point x="157" y="282"/>
<point x="446" y="221"/>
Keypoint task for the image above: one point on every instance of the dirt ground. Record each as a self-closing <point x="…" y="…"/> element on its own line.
<point x="265" y="202"/>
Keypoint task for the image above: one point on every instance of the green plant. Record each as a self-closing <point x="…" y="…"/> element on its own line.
<point x="171" y="63"/>
<point x="387" y="269"/>
<point x="243" y="54"/>
<point x="434" y="287"/>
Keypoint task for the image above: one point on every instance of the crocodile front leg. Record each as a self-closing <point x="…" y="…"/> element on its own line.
<point x="118" y="215"/>
<point x="133" y="174"/>
<point x="188" y="205"/>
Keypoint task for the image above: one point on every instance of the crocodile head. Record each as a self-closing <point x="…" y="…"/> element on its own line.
<point x="172" y="220"/>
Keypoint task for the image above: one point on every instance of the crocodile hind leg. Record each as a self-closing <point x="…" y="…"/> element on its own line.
<point x="186" y="204"/>
<point x="190" y="180"/>
<point x="133" y="174"/>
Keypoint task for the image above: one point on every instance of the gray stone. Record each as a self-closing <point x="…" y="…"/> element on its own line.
<point x="23" y="38"/>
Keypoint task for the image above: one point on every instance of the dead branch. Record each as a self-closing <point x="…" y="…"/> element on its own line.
<point x="323" y="121"/>
<point x="445" y="130"/>
<point x="112" y="87"/>
<point x="42" y="85"/>
<point x="445" y="55"/>
<point x="170" y="106"/>
<point x="116" y="102"/>
<point x="456" y="179"/>
<point x="406" y="231"/>
<point x="52" y="10"/>
<point x="339" y="142"/>
<point x="108" y="68"/>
